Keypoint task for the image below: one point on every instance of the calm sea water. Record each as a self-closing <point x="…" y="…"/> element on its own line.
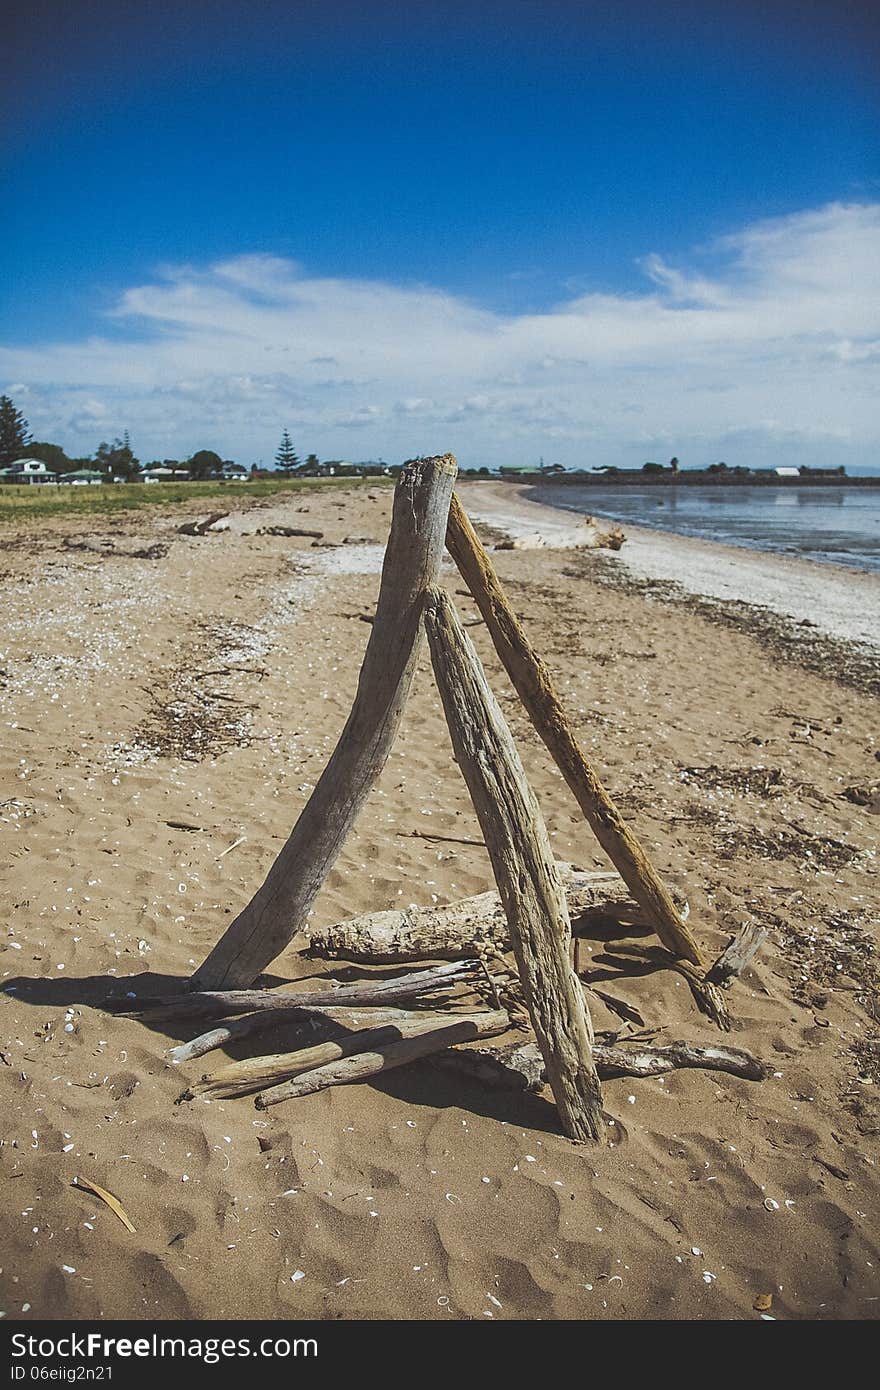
<point x="831" y="524"/>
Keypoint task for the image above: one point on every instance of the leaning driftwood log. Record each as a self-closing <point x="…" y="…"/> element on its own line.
<point x="386" y="1056"/>
<point x="520" y="1066"/>
<point x="534" y="685"/>
<point x="221" y="1003"/>
<point x="247" y="1025"/>
<point x="412" y="562"/>
<point x="524" y="869"/>
<point x="737" y="954"/>
<point x="456" y="929"/>
<point x="254" y="1073"/>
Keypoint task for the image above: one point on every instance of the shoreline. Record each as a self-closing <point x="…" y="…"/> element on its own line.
<point x="842" y="603"/>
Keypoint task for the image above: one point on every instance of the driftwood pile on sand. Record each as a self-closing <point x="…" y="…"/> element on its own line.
<point x="532" y="915"/>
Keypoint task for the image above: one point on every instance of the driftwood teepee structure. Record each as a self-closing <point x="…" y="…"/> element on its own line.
<point x="531" y="910"/>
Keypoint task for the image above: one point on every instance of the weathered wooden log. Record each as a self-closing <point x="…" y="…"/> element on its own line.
<point x="289" y="531"/>
<point x="247" y="1025"/>
<point x="456" y="929"/>
<point x="737" y="954"/>
<point x="655" y="1061"/>
<point x="525" y="871"/>
<point x="255" y="1073"/>
<point x="221" y="1003"/>
<point x="201" y="528"/>
<point x="520" y="1066"/>
<point x="381" y="1059"/>
<point x="280" y="907"/>
<point x="534" y="685"/>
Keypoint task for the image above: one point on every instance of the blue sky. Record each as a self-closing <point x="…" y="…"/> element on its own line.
<point x="511" y="230"/>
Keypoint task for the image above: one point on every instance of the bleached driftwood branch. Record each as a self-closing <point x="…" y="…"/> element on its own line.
<point x="520" y="1067"/>
<point x="383" y="1058"/>
<point x="247" y="1025"/>
<point x="280" y="907"/>
<point x="456" y="929"/>
<point x="221" y="1003"/>
<point x="252" y="1074"/>
<point x="525" y="871"/>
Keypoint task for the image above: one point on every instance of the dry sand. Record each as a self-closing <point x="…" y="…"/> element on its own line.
<point x="151" y="680"/>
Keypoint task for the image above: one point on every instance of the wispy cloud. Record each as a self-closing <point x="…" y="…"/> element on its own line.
<point x="761" y="344"/>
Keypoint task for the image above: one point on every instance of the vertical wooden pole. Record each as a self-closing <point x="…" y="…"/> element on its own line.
<point x="524" y="868"/>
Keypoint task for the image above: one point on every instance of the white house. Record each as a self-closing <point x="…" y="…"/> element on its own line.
<point x="27" y="471"/>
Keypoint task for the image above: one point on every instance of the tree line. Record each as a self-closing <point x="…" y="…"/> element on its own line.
<point x="116" y="459"/>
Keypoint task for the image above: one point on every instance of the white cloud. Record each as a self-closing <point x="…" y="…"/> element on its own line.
<point x="763" y="343"/>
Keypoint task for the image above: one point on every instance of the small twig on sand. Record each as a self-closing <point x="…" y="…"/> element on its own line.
<point x="240" y="841"/>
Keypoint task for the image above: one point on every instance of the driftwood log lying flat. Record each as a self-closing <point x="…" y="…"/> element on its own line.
<point x="280" y="907"/>
<point x="656" y="1061"/>
<point x="520" y="1067"/>
<point x="457" y="929"/>
<point x="254" y="1073"/>
<point x="525" y="871"/>
<point x="221" y="1003"/>
<point x="247" y="1025"/>
<point x="201" y="528"/>
<point x="383" y="1058"/>
<point x="289" y="531"/>
<point x="534" y="685"/>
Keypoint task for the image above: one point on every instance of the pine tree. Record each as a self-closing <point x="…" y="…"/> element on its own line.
<point x="286" y="458"/>
<point x="14" y="432"/>
<point x="116" y="459"/>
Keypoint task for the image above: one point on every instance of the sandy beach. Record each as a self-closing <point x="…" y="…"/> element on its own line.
<point x="167" y="704"/>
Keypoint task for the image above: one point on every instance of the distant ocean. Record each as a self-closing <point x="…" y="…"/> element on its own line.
<point x="837" y="525"/>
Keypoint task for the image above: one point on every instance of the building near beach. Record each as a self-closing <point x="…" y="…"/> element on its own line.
<point x="83" y="477"/>
<point x="27" y="471"/>
<point x="164" y="475"/>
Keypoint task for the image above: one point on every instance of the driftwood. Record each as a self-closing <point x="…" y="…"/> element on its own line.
<point x="534" y="685"/>
<point x="656" y="1061"/>
<point x="385" y="1057"/>
<point x="201" y="528"/>
<point x="520" y="1067"/>
<point x="737" y="954"/>
<point x="412" y="562"/>
<point x="221" y="1003"/>
<point x="246" y="1025"/>
<point x="289" y="531"/>
<point x="524" y="868"/>
<point x="457" y="929"/>
<point x="254" y="1073"/>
